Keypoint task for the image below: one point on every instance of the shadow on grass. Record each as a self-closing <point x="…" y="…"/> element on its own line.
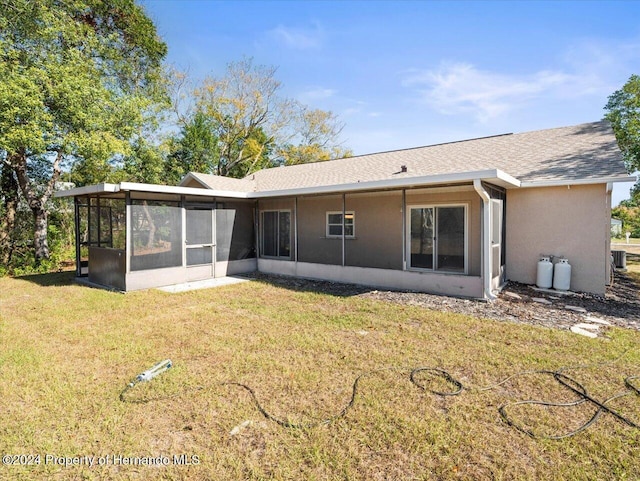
<point x="64" y="278"/>
<point x="310" y="285"/>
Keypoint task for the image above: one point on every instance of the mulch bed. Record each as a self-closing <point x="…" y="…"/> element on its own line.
<point x="620" y="305"/>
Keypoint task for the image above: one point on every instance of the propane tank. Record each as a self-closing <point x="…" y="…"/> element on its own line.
<point x="562" y="275"/>
<point x="545" y="273"/>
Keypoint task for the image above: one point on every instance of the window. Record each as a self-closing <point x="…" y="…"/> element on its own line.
<point x="156" y="230"/>
<point x="276" y="233"/>
<point x="437" y="238"/>
<point x="334" y="224"/>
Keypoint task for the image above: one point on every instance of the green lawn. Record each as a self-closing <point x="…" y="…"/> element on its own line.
<point x="623" y="241"/>
<point x="66" y="353"/>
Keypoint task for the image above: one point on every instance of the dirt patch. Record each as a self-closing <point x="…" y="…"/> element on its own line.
<point x="620" y="305"/>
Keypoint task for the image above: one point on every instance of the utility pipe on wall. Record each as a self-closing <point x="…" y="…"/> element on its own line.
<point x="485" y="250"/>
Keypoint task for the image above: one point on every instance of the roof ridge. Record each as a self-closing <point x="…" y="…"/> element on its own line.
<point x="382" y="152"/>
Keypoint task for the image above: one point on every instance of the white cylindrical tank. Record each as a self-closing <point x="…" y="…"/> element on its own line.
<point x="562" y="275"/>
<point x="545" y="273"/>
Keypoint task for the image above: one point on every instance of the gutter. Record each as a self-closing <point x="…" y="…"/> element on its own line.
<point x="493" y="175"/>
<point x="485" y="251"/>
<point x="102" y="188"/>
<point x="563" y="182"/>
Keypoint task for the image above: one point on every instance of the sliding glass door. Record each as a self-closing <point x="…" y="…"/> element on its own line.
<point x="276" y="233"/>
<point x="437" y="238"/>
<point x="422" y="238"/>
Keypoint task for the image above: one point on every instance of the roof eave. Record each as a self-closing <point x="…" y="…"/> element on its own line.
<point x="494" y="176"/>
<point x="102" y="188"/>
<point x="178" y="190"/>
<point x="583" y="181"/>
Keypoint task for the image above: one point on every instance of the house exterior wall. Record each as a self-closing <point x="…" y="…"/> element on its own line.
<point x="378" y="230"/>
<point x="374" y="256"/>
<point x="378" y="226"/>
<point x="278" y="204"/>
<point x="152" y="278"/>
<point x="313" y="244"/>
<point x="193" y="183"/>
<point x="578" y="230"/>
<point x="445" y="284"/>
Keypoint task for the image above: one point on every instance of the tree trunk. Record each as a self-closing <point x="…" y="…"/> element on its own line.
<point x="9" y="188"/>
<point x="37" y="201"/>
<point x="152" y="226"/>
<point x="40" y="242"/>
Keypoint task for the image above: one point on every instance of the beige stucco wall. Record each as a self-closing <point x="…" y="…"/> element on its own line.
<point x="193" y="183"/>
<point x="571" y="222"/>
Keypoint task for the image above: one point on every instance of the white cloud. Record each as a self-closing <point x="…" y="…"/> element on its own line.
<point x="299" y="38"/>
<point x="316" y="93"/>
<point x="590" y="71"/>
<point x="462" y="88"/>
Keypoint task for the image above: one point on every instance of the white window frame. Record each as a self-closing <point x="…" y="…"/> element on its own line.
<point x="339" y="236"/>
<point x="435" y="247"/>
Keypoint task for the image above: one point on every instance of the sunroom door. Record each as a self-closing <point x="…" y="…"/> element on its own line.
<point x="497" y="262"/>
<point x="422" y="237"/>
<point x="437" y="238"/>
<point x="200" y="245"/>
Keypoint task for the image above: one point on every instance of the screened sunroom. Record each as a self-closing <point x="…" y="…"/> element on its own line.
<point x="136" y="236"/>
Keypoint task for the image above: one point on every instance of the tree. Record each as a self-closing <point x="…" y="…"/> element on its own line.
<point x="8" y="211"/>
<point x="255" y="127"/>
<point x="623" y="111"/>
<point x="76" y="78"/>
<point x="195" y="149"/>
<point x="629" y="214"/>
<point x="316" y="134"/>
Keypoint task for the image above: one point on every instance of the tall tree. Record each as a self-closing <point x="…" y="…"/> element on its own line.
<point x="195" y="149"/>
<point x="256" y="127"/>
<point x="76" y="78"/>
<point x="8" y="211"/>
<point x="314" y="138"/>
<point x="623" y="111"/>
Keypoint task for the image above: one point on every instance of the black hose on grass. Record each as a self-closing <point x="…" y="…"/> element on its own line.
<point x="583" y="396"/>
<point x="564" y="380"/>
<point x="354" y="392"/>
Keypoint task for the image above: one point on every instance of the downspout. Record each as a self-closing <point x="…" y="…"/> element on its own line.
<point x="344" y="223"/>
<point x="404" y="229"/>
<point x="256" y="226"/>
<point x="295" y="228"/>
<point x="485" y="250"/>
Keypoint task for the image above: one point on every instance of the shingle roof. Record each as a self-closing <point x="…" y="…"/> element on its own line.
<point x="218" y="182"/>
<point x="586" y="151"/>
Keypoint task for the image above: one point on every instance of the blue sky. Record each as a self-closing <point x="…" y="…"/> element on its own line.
<point x="407" y="73"/>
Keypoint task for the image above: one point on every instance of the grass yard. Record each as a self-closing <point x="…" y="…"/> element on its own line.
<point x="633" y="259"/>
<point x="66" y="353"/>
